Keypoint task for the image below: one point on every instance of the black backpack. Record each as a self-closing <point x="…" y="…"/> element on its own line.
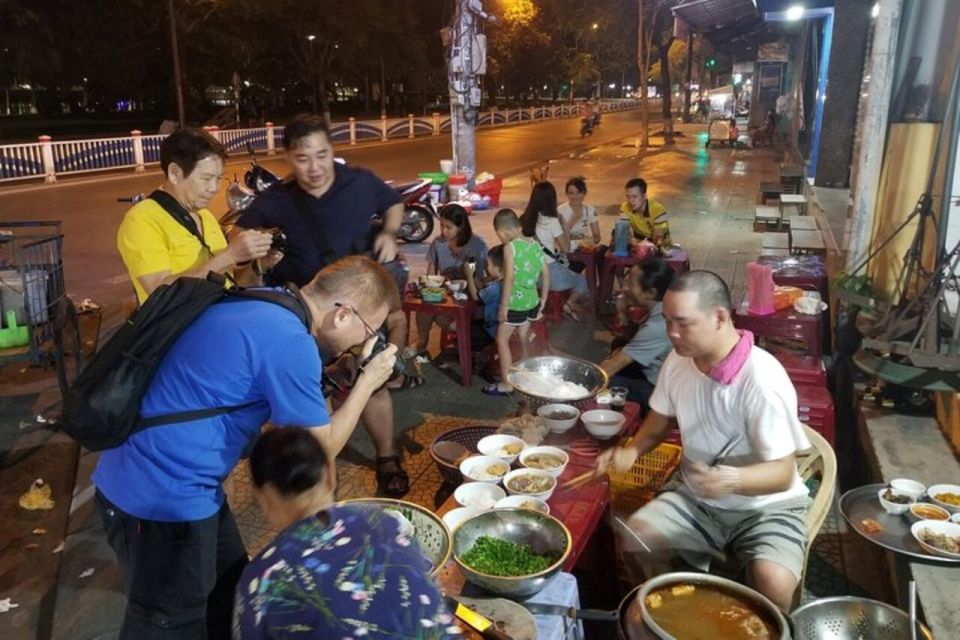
<point x="102" y="408"/>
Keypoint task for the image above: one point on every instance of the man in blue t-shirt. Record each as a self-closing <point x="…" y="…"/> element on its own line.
<point x="328" y="210"/>
<point x="159" y="493"/>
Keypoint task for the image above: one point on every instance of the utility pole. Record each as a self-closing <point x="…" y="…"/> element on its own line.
<point x="467" y="64"/>
<point x="686" y="86"/>
<point x="177" y="75"/>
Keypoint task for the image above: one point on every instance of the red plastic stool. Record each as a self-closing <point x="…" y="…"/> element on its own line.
<point x="805" y="370"/>
<point x="553" y="311"/>
<point x="815" y="409"/>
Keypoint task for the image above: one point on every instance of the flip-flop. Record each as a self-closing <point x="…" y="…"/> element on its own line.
<point x="493" y="389"/>
<point x="409" y="382"/>
<point x="570" y="311"/>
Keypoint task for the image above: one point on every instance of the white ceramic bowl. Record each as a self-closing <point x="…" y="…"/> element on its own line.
<point x="893" y="508"/>
<point x="478" y="495"/>
<point x="955" y="518"/>
<point x="559" y="425"/>
<point x="603" y="424"/>
<point x="913" y="517"/>
<point x="543" y="495"/>
<point x="523" y="502"/>
<point x="937" y="489"/>
<point x="905" y="486"/>
<point x="553" y="451"/>
<point x="494" y="446"/>
<point x="946" y="528"/>
<point x="457" y="286"/>
<point x="476" y="468"/>
<point x="455" y="517"/>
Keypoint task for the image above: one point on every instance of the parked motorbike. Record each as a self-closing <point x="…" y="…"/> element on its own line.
<point x="418" y="211"/>
<point x="240" y="195"/>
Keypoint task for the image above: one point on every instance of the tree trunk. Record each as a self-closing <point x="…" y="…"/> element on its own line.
<point x="643" y="66"/>
<point x="366" y="93"/>
<point x="667" y="90"/>
<point x="324" y="100"/>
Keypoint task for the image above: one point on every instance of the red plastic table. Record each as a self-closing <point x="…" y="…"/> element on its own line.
<point x="462" y="313"/>
<point x="592" y="259"/>
<point x="677" y="258"/>
<point x="805" y="272"/>
<point x="580" y="509"/>
<point x="784" y="324"/>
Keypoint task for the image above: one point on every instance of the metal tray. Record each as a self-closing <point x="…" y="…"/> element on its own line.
<point x="861" y="503"/>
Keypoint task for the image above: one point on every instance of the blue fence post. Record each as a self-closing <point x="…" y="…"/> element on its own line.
<point x="353" y="130"/>
<point x="409" y="125"/>
<point x="383" y="128"/>
<point x="436" y="123"/>
<point x="46" y="152"/>
<point x="271" y="143"/>
<point x="137" y="138"/>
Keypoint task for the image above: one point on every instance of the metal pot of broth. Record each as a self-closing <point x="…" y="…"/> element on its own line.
<point x="695" y="606"/>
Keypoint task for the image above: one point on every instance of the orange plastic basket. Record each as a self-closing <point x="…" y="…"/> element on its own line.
<point x="632" y="489"/>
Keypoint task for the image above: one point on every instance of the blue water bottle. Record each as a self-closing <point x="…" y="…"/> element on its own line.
<point x="621" y="237"/>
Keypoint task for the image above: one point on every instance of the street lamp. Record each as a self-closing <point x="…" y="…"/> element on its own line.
<point x="313" y="71"/>
<point x="595" y="26"/>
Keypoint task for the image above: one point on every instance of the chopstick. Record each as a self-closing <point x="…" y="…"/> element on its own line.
<point x="578" y="481"/>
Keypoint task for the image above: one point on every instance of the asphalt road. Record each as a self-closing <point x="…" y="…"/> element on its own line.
<point x="90" y="213"/>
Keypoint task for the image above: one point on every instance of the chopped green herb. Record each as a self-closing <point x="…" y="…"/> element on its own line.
<point x="503" y="558"/>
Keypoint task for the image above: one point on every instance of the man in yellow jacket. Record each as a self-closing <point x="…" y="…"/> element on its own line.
<point x="647" y="217"/>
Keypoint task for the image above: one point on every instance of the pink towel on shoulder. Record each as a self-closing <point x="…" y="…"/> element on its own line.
<point x="725" y="371"/>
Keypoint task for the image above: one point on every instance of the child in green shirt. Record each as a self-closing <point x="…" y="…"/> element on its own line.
<point x="523" y="264"/>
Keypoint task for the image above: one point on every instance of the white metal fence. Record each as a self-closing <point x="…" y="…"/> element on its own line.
<point x="48" y="159"/>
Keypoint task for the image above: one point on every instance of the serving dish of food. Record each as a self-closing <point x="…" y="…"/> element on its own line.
<point x="530" y="482"/>
<point x="484" y="469"/>
<point x="862" y="510"/>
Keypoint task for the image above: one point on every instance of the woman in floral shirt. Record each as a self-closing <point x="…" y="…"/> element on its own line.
<point x="333" y="572"/>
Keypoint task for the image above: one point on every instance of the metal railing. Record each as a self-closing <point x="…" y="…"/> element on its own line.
<point x="48" y="159"/>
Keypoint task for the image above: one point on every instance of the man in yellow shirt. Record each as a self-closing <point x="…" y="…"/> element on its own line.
<point x="171" y="233"/>
<point x="645" y="214"/>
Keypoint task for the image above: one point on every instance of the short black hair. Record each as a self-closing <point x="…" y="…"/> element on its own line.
<point x="495" y="256"/>
<point x="712" y="291"/>
<point x="290" y="459"/>
<point x="186" y="147"/>
<point x="655" y="274"/>
<point x="461" y="219"/>
<point x="579" y="182"/>
<point x="506" y="219"/>
<point x="301" y="127"/>
<point x="636" y="183"/>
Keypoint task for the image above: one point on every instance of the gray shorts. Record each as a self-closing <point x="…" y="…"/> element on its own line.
<point x="698" y="532"/>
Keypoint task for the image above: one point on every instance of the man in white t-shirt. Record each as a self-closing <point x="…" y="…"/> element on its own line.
<point x="738" y="489"/>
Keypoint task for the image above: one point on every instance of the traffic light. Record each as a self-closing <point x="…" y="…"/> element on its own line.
<point x="711" y="62"/>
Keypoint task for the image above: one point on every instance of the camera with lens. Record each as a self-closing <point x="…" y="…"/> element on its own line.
<point x="279" y="242"/>
<point x="378" y="346"/>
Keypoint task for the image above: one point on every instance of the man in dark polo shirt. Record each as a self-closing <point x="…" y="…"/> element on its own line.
<point x="327" y="211"/>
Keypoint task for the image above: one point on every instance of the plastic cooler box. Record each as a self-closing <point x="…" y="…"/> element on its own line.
<point x="805" y="370"/>
<point x="815" y="409"/>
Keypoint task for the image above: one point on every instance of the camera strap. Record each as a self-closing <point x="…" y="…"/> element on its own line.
<point x="181" y="215"/>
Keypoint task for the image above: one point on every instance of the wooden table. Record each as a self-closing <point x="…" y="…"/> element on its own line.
<point x="772" y="240"/>
<point x="462" y="313"/>
<point x="769" y="190"/>
<point x="786" y="323"/>
<point x="792" y="202"/>
<point x="807" y="242"/>
<point x="766" y="217"/>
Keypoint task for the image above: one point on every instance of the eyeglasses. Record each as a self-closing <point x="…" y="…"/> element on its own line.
<point x="371" y="332"/>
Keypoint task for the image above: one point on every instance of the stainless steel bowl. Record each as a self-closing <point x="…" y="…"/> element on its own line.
<point x="730" y="586"/>
<point x="847" y="617"/>
<point x="539" y="531"/>
<point x="431" y="534"/>
<point x="573" y="370"/>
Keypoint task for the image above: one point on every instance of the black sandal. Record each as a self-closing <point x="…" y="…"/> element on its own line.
<point x="392" y="481"/>
<point x="409" y="382"/>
